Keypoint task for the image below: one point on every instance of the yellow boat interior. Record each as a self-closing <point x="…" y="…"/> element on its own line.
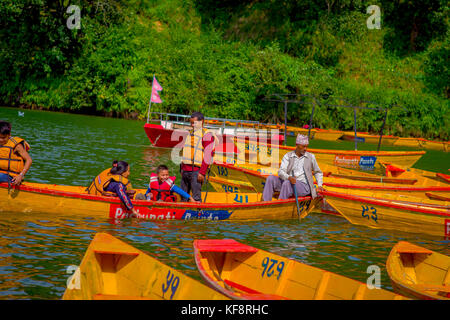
<point x="419" y="272"/>
<point x="245" y="272"/>
<point x="113" y="270"/>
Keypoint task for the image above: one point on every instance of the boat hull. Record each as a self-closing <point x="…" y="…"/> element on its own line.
<point x="419" y="273"/>
<point x="317" y="134"/>
<point x="363" y="160"/>
<point x="242" y="272"/>
<point x="386" y="214"/>
<point x="252" y="150"/>
<point x="164" y="138"/>
<point x="40" y="198"/>
<point x="114" y="270"/>
<point x="367" y="138"/>
<point x="244" y="176"/>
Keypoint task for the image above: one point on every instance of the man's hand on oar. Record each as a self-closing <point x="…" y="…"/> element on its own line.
<point x="294" y="187"/>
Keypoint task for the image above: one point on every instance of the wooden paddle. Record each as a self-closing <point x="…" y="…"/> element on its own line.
<point x="207" y="180"/>
<point x="296" y="201"/>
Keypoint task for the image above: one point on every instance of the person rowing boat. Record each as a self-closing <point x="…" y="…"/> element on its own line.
<point x="198" y="154"/>
<point x="297" y="168"/>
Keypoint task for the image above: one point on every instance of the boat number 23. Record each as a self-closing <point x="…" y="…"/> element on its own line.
<point x="172" y="283"/>
<point x="270" y="266"/>
<point x="369" y="213"/>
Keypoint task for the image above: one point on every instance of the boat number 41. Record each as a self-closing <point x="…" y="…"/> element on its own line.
<point x="369" y="213"/>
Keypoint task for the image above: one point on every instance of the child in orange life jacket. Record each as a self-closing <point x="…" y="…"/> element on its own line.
<point x="14" y="158"/>
<point x="162" y="186"/>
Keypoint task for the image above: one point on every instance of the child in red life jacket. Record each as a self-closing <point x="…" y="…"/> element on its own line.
<point x="162" y="186"/>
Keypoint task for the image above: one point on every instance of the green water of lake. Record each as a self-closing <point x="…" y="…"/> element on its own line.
<point x="37" y="249"/>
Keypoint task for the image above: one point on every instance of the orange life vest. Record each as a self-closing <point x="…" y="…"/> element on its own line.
<point x="161" y="191"/>
<point x="193" y="147"/>
<point x="102" y="181"/>
<point x="10" y="162"/>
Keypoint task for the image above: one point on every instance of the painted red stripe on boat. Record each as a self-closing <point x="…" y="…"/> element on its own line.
<point x="225" y="245"/>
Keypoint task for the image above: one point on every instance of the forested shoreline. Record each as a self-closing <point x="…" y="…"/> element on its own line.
<point x="225" y="57"/>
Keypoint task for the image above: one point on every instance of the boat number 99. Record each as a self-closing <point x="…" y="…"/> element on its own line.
<point x="372" y="211"/>
<point x="272" y="265"/>
<point x="172" y="283"/>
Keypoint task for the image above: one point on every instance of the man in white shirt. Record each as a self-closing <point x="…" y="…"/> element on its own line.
<point x="297" y="168"/>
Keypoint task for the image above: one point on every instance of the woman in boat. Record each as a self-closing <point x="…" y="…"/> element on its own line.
<point x="14" y="158"/>
<point x="162" y="187"/>
<point x="114" y="182"/>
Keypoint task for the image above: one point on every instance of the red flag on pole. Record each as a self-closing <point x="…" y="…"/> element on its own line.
<point x="155" y="97"/>
<point x="156" y="85"/>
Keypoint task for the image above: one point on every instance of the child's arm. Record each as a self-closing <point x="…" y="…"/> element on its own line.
<point x="28" y="161"/>
<point x="182" y="193"/>
<point x="148" y="193"/>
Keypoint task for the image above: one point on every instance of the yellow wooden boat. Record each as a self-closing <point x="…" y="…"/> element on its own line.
<point x="333" y="135"/>
<point x="443" y="177"/>
<point x="442" y="196"/>
<point x="424" y="177"/>
<point x="392" y="197"/>
<point x="251" y="178"/>
<point x="407" y="142"/>
<point x="30" y="198"/>
<point x="240" y="271"/>
<point x="419" y="273"/>
<point x="370" y="138"/>
<point x="267" y="154"/>
<point x="316" y="133"/>
<point x="391" y="215"/>
<point x="114" y="270"/>
<point x="234" y="172"/>
<point x="443" y="146"/>
<point x="434" y="145"/>
<point x="230" y="186"/>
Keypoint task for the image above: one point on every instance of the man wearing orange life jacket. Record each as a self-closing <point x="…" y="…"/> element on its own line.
<point x="162" y="186"/>
<point x="14" y="158"/>
<point x="198" y="154"/>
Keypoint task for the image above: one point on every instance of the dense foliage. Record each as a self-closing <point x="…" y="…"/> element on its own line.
<point x="224" y="57"/>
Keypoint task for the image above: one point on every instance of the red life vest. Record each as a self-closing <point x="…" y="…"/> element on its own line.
<point x="161" y="191"/>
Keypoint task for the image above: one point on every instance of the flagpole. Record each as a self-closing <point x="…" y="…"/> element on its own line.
<point x="150" y="105"/>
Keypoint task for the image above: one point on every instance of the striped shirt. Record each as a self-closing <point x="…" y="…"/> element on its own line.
<point x="120" y="190"/>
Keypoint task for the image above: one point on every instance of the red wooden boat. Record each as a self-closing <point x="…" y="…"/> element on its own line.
<point x="164" y="138"/>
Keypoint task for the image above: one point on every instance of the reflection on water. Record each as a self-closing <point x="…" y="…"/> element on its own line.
<point x="36" y="249"/>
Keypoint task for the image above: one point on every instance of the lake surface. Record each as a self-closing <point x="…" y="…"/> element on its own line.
<point x="69" y="149"/>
